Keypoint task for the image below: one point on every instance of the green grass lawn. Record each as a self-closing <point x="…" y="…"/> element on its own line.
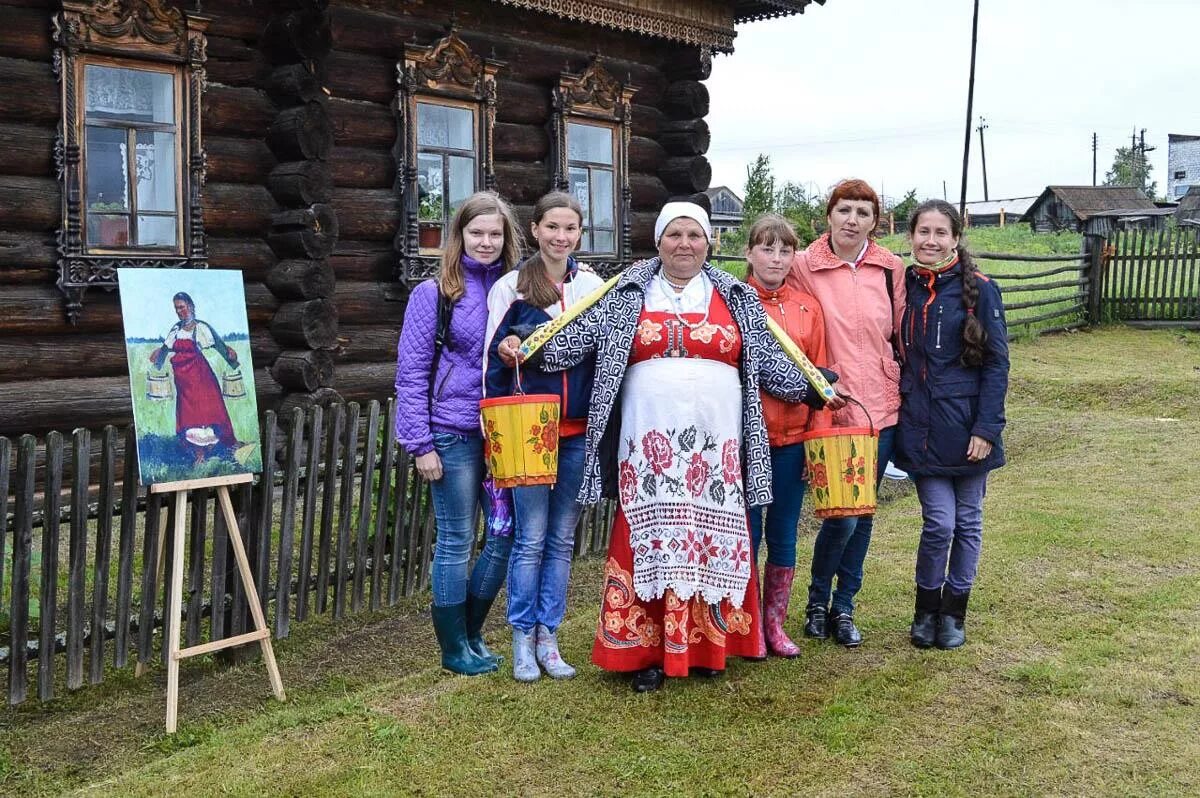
<point x="1081" y="675"/>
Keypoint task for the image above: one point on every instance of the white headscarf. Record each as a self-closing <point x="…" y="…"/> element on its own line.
<point x="676" y="210"/>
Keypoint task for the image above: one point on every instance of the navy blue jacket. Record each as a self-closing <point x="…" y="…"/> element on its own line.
<point x="943" y="402"/>
<point x="510" y="314"/>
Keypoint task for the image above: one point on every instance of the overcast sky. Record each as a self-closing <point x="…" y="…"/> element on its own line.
<point x="877" y="89"/>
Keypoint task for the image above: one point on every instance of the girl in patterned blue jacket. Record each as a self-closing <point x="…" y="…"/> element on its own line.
<point x="543" y="287"/>
<point x="953" y="383"/>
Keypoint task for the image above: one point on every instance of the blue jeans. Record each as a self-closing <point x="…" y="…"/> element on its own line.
<point x="543" y="541"/>
<point x="787" y="487"/>
<point x="455" y="498"/>
<point x="952" y="532"/>
<point x="841" y="546"/>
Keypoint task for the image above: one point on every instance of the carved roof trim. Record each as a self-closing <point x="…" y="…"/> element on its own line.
<point x="449" y="64"/>
<point x="706" y="24"/>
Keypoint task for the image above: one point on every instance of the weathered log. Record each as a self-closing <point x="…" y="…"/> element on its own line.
<point x="301" y="133"/>
<point x="36" y="406"/>
<point x="356" y="76"/>
<point x="366" y="343"/>
<point x="522" y="182"/>
<point x="363" y="261"/>
<point x="311" y="324"/>
<point x="306" y="401"/>
<point x="521" y="142"/>
<point x="295" y="84"/>
<point x="686" y="99"/>
<point x="304" y="233"/>
<point x="237" y="160"/>
<point x="371" y="214"/>
<point x="251" y="256"/>
<point x="30" y="203"/>
<point x="645" y="155"/>
<point x="647" y="121"/>
<point x="301" y="279"/>
<point x="642" y="233"/>
<point x="27" y="150"/>
<point x="686" y="175"/>
<point x="361" y="382"/>
<point x="232" y="62"/>
<point x="233" y="111"/>
<point x="647" y="192"/>
<point x="692" y="63"/>
<point x="358" y="167"/>
<point x="303" y="370"/>
<point x="521" y="103"/>
<point x="300" y="183"/>
<point x="28" y="92"/>
<point x="368" y="303"/>
<point x="685" y="137"/>
<point x="233" y="208"/>
<point x="302" y="35"/>
<point x="19" y="250"/>
<point x="26" y="34"/>
<point x="701" y="199"/>
<point x="362" y="124"/>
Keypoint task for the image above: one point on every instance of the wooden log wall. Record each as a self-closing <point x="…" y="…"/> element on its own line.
<point x="298" y="130"/>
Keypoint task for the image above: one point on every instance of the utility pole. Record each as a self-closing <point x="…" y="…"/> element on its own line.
<point x="1095" y="144"/>
<point x="962" y="202"/>
<point x="983" y="154"/>
<point x="944" y="197"/>
<point x="1144" y="172"/>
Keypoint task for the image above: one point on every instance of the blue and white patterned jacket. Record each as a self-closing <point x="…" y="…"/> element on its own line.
<point x="607" y="329"/>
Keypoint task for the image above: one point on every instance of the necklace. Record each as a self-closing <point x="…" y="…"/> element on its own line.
<point x="674" y="284"/>
<point x="673" y="301"/>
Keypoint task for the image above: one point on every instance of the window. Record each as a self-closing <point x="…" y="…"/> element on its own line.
<point x="1181" y="174"/>
<point x="131" y="159"/>
<point x="129" y="155"/>
<point x="445" y="112"/>
<point x="592" y="120"/>
<point x="591" y="174"/>
<point x="1181" y="190"/>
<point x="447" y="166"/>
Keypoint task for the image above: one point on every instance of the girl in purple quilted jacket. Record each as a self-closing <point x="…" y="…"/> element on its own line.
<point x="438" y="387"/>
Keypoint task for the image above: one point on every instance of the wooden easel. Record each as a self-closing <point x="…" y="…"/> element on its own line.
<point x="261" y="633"/>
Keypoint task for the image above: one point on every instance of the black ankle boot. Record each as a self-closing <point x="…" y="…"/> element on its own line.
<point x="844" y="630"/>
<point x="647" y="680"/>
<point x="923" y="632"/>
<point x="951" y="632"/>
<point x="816" y="622"/>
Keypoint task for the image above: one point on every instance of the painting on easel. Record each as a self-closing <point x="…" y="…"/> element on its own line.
<point x="188" y="344"/>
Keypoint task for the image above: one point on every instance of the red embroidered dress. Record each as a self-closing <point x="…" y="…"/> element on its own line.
<point x="679" y="589"/>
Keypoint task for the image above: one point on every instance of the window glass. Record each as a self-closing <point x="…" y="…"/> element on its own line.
<point x="156" y="231"/>
<point x="156" y="173"/>
<point x="602" y="196"/>
<point x="445" y="126"/>
<point x="107" y="231"/>
<point x="131" y="95"/>
<point x="106" y="169"/>
<point x="603" y="241"/>
<point x="429" y="186"/>
<point x="462" y="181"/>
<point x="589" y="143"/>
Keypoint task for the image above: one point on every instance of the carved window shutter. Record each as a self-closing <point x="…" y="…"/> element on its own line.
<point x="122" y="40"/>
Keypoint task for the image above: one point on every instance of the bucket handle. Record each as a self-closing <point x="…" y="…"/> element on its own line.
<point x="866" y="412"/>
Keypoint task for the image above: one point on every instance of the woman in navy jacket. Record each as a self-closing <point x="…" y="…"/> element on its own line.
<point x="953" y="383"/>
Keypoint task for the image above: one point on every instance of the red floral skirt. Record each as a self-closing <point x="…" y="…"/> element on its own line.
<point x="671" y="633"/>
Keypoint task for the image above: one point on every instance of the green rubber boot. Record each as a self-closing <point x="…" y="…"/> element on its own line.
<point x="477" y="610"/>
<point x="450" y="625"/>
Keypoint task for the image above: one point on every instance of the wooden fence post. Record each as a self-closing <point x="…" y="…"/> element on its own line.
<point x="1093" y="252"/>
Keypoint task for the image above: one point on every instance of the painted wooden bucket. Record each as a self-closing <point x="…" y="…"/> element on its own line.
<point x="158" y="386"/>
<point x="841" y="464"/>
<point x="520" y="439"/>
<point x="232" y="384"/>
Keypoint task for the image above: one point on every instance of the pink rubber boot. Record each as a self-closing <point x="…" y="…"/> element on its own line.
<point x="777" y="592"/>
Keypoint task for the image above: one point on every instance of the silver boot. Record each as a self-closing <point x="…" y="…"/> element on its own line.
<point x="525" y="667"/>
<point x="549" y="657"/>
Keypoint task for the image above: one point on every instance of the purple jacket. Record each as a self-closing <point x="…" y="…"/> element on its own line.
<point x="458" y="385"/>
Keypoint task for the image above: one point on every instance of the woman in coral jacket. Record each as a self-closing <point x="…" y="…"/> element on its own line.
<point x="770" y="246"/>
<point x="860" y="286"/>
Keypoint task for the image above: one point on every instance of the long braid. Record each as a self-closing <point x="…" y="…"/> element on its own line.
<point x="974" y="335"/>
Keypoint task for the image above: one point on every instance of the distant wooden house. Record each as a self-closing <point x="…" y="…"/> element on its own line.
<point x="319" y="147"/>
<point x="1095" y="210"/>
<point x="997" y="212"/>
<point x="726" y="211"/>
<point x="1188" y="209"/>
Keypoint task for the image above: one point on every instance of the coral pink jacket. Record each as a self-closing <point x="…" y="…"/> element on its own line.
<point x="859" y="325"/>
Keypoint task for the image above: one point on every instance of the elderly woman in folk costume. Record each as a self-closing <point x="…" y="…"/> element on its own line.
<point x="681" y="350"/>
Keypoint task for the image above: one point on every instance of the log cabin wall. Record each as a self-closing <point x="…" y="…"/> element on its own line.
<point x="261" y="187"/>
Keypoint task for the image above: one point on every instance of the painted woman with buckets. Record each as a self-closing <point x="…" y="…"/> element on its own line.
<point x="953" y="384"/>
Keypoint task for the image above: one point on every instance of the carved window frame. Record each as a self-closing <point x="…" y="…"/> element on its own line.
<point x="446" y="72"/>
<point x="126" y="33"/>
<point x="596" y="97"/>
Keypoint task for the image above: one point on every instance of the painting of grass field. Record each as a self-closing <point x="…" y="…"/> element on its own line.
<point x="190" y="374"/>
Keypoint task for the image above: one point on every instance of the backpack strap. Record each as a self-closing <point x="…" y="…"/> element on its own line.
<point x="441" y="338"/>
<point x="891" y="292"/>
